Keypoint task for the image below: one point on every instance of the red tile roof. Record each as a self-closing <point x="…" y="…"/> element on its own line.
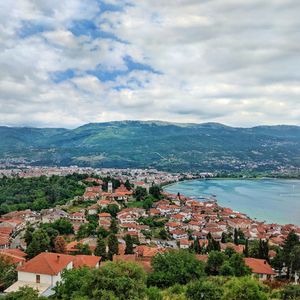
<point x="259" y="266"/>
<point x="86" y="260"/>
<point x="47" y="263"/>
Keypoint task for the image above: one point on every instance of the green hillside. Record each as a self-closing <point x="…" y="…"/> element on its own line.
<point x="162" y="145"/>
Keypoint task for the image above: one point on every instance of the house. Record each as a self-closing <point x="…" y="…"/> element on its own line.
<point x="179" y="234"/>
<point x="260" y="268"/>
<point x="184" y="243"/>
<point x="42" y="272"/>
<point x="15" y="256"/>
<point x="90" y="261"/>
<point x="53" y="214"/>
<point x="92" y="210"/>
<point x="77" y="217"/>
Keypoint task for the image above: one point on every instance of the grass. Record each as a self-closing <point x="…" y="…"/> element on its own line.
<point x="138" y="204"/>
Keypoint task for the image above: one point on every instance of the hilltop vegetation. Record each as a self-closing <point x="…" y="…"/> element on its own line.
<point x="166" y="146"/>
<point x="38" y="192"/>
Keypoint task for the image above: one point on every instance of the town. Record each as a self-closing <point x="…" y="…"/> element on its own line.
<point x="125" y="215"/>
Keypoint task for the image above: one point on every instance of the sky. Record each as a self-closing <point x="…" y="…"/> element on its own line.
<point x="64" y="63"/>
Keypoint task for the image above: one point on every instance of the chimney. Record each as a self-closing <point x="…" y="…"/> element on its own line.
<point x="57" y="258"/>
<point x="265" y="262"/>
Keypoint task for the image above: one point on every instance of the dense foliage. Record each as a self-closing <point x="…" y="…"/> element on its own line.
<point x="38" y="192"/>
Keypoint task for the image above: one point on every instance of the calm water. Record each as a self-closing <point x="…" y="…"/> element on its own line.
<point x="270" y="200"/>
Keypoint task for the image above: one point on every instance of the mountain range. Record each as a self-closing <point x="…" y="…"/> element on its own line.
<point x="162" y="145"/>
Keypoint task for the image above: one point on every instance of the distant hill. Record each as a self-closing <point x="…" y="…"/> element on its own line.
<point x="162" y="145"/>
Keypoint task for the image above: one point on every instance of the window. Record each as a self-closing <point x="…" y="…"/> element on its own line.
<point x="38" y="278"/>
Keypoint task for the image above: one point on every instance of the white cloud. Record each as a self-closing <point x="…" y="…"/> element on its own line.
<point x="231" y="61"/>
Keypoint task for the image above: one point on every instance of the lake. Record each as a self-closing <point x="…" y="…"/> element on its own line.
<point x="270" y="200"/>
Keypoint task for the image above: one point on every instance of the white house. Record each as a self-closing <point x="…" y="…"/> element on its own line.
<point x="42" y="272"/>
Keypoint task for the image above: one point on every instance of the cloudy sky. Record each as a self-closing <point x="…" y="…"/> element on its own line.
<point x="64" y="63"/>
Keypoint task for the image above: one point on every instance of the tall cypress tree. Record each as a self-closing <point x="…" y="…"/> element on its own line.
<point x="113" y="226"/>
<point x="101" y="248"/>
<point x="129" y="244"/>
<point x="113" y="246"/>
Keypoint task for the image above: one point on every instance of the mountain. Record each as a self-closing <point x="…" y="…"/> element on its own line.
<point x="162" y="145"/>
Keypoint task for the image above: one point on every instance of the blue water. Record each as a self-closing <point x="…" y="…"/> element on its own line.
<point x="270" y="200"/>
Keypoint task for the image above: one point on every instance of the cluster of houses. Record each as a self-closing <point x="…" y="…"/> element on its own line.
<point x="182" y="217"/>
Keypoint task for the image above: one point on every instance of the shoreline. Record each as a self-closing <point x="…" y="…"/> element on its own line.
<point x="206" y="198"/>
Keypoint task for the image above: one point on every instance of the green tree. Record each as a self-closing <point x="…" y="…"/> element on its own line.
<point x="113" y="246"/>
<point x="83" y="249"/>
<point x="153" y="293"/>
<point x="72" y="281"/>
<point x="102" y="232"/>
<point x="101" y="248"/>
<point x="196" y="246"/>
<point x="63" y="226"/>
<point x="290" y="292"/>
<point x="129" y="244"/>
<point x="148" y="202"/>
<point x="24" y="293"/>
<point x="163" y="234"/>
<point x="28" y="234"/>
<point x="205" y="290"/>
<point x="237" y="263"/>
<point x="246" y="249"/>
<point x="8" y="274"/>
<point x="140" y="193"/>
<point x="40" y="243"/>
<point x="127" y="185"/>
<point x="122" y="280"/>
<point x="244" y="288"/>
<point x="175" y="267"/>
<point x="155" y="191"/>
<point x="290" y="242"/>
<point x="215" y="262"/>
<point x="113" y="226"/>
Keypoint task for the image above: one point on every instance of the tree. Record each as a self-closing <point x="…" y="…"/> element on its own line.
<point x="295" y="259"/>
<point x="28" y="234"/>
<point x="40" y="243"/>
<point x="83" y="249"/>
<point x="24" y="293"/>
<point x="129" y="244"/>
<point x="155" y="191"/>
<point x="120" y="280"/>
<point x="163" y="234"/>
<point x="72" y="281"/>
<point x="172" y="267"/>
<point x="140" y="193"/>
<point x="127" y="185"/>
<point x="63" y="226"/>
<point x="101" y="248"/>
<point x="246" y="249"/>
<point x="229" y="251"/>
<point x="213" y="245"/>
<point x="8" y="274"/>
<point x="244" y="288"/>
<point x="196" y="246"/>
<point x="215" y="262"/>
<point x="237" y="263"/>
<point x="102" y="232"/>
<point x="290" y="292"/>
<point x="113" y="228"/>
<point x="205" y="290"/>
<point x="60" y="244"/>
<point x="153" y="293"/>
<point x="113" y="246"/>
<point x="112" y="209"/>
<point x="148" y="202"/>
<point x="290" y="242"/>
